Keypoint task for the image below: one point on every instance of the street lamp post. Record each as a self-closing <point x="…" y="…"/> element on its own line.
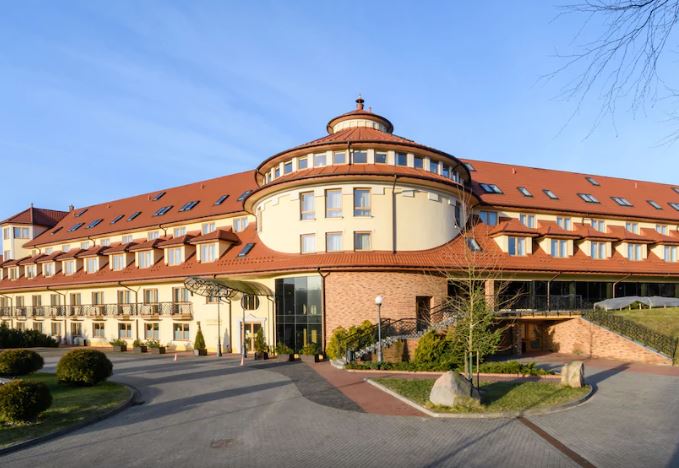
<point x="378" y="302"/>
<point x="219" y="327"/>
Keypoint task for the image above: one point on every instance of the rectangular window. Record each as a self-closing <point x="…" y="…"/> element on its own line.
<point x="490" y="188"/>
<point x="48" y="269"/>
<point x="21" y="233"/>
<point x="188" y="206"/>
<point x="207" y="228"/>
<point x="92" y="265"/>
<point x="145" y="259"/>
<point x="525" y="192"/>
<point x="333" y="203"/>
<point x="670" y="253"/>
<point x="180" y="295"/>
<point x="598" y="250"/>
<point x="360" y="157"/>
<point x="31" y="271"/>
<point x="37" y="326"/>
<point x="124" y="331"/>
<point x="401" y="159"/>
<point x="287" y="167"/>
<point x="550" y="194"/>
<point x="361" y="241"/>
<point x="117" y="218"/>
<point x="162" y="211"/>
<point x="221" y="199"/>
<point x="277" y="172"/>
<point x="240" y="224"/>
<point x="306" y="206"/>
<point x="592" y="181"/>
<point x="361" y="202"/>
<point x="126" y="239"/>
<point x="527" y="220"/>
<point x="632" y="227"/>
<point x="621" y="201"/>
<point x="307" y="243"/>
<point x="133" y="216"/>
<point x="99" y="330"/>
<point x="75" y="227"/>
<point x="56" y="329"/>
<point x="473" y="245"/>
<point x="488" y="217"/>
<point x="559" y="248"/>
<point x="634" y="252"/>
<point x="69" y="267"/>
<point x="118" y="262"/>
<point x="674" y="205"/>
<point x="434" y="166"/>
<point x="175" y="256"/>
<point x="302" y="163"/>
<point x="445" y="170"/>
<point x="517" y="246"/>
<point x="319" y="160"/>
<point x="66" y="247"/>
<point x="181" y="331"/>
<point x="124" y="296"/>
<point x="105" y="242"/>
<point x="333" y="241"/>
<point x="599" y="225"/>
<point x="418" y="162"/>
<point x="208" y="253"/>
<point x="152" y="331"/>
<point x="153" y="235"/>
<point x="380" y="157"/>
<point x="589" y="198"/>
<point x="661" y="229"/>
<point x="179" y="232"/>
<point x="339" y="158"/>
<point x="654" y="204"/>
<point x="150" y="296"/>
<point x="7" y="233"/>
<point x="564" y="223"/>
<point x="97" y="297"/>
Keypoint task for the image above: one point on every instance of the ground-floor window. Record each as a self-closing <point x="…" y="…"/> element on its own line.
<point x="181" y="331"/>
<point x="37" y="326"/>
<point x="76" y="329"/>
<point x="124" y="330"/>
<point x="98" y="330"/>
<point x="56" y="329"/>
<point x="151" y="331"/>
<point x="21" y="326"/>
<point x="299" y="311"/>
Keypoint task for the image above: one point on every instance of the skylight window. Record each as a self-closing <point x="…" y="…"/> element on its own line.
<point x="593" y="181"/>
<point x="244" y="195"/>
<point x="188" y="206"/>
<point x="524" y="191"/>
<point x="491" y="188"/>
<point x="162" y="210"/>
<point x="81" y="212"/>
<point x="676" y="189"/>
<point x="469" y="166"/>
<point x="246" y="249"/>
<point x="94" y="223"/>
<point x="158" y="196"/>
<point x="654" y="204"/>
<point x="75" y="227"/>
<point x="622" y="201"/>
<point x="674" y="205"/>
<point x="589" y="198"/>
<point x="221" y="199"/>
<point x="473" y="245"/>
<point x="550" y="194"/>
<point x="56" y="230"/>
<point x="134" y="215"/>
<point x="117" y="218"/>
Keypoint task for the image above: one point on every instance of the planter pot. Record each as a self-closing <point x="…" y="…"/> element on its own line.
<point x="309" y="358"/>
<point x="200" y="352"/>
<point x="120" y="349"/>
<point x="261" y="356"/>
<point x="160" y="350"/>
<point x="286" y="357"/>
<point x="139" y="349"/>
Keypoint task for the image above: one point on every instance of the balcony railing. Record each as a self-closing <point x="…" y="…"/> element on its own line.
<point x="177" y="310"/>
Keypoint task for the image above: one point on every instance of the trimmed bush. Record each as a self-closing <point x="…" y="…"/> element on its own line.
<point x="336" y="347"/>
<point x="19" y="362"/>
<point x="13" y="338"/>
<point x="22" y="401"/>
<point x="199" y="342"/>
<point x="84" y="367"/>
<point x="311" y="349"/>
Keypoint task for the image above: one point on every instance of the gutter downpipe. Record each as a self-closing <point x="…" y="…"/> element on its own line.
<point x="65" y="309"/>
<point x="323" y="276"/>
<point x="620" y="281"/>
<point x="136" y="308"/>
<point x="393" y="215"/>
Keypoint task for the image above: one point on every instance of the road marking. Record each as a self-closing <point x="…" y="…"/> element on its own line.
<point x="555" y="443"/>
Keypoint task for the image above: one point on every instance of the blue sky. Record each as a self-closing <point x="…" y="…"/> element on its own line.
<point x="102" y="100"/>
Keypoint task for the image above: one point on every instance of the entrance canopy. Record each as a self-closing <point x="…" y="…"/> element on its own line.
<point x="225" y="288"/>
<point x="622" y="302"/>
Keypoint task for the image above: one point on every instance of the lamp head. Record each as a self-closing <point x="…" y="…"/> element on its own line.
<point x="379" y="299"/>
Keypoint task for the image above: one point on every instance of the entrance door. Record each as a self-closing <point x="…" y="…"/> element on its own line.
<point x="423" y="312"/>
<point x="251" y="329"/>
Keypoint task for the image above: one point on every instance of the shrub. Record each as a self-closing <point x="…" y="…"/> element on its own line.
<point x="12" y="338"/>
<point x="337" y="347"/>
<point x="434" y="352"/>
<point x="260" y="344"/>
<point x="138" y="343"/>
<point x="84" y="367"/>
<point x="22" y="401"/>
<point x="199" y="342"/>
<point x="153" y="344"/>
<point x="19" y="362"/>
<point x="282" y="348"/>
<point x="512" y="367"/>
<point x="310" y="349"/>
<point x="118" y="342"/>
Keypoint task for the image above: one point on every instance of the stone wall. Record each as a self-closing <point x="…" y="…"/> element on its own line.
<point x="350" y="296"/>
<point x="578" y="336"/>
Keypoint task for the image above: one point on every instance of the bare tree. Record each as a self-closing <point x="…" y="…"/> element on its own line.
<point x="623" y="61"/>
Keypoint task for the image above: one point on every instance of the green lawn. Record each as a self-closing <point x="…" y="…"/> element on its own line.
<point x="496" y="397"/>
<point x="665" y="321"/>
<point x="70" y="405"/>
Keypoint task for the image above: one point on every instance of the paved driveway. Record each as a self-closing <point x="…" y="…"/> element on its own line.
<point x="209" y="412"/>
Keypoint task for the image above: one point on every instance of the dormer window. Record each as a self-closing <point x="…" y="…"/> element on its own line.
<point x="473" y="245"/>
<point x="588" y="197"/>
<point x="31" y="271"/>
<point x="434" y="166"/>
<point x="380" y="157"/>
<point x="287" y="167"/>
<point x="92" y="265"/>
<point x="69" y="267"/>
<point x="48" y="269"/>
<point x="175" y="256"/>
<point x="319" y="160"/>
<point x="516" y="246"/>
<point x="302" y="163"/>
<point x="670" y="253"/>
<point x="525" y="192"/>
<point x="360" y="157"/>
<point x="418" y="162"/>
<point x="550" y="194"/>
<point x="622" y="201"/>
<point x="632" y="227"/>
<point x="527" y="220"/>
<point x="599" y="225"/>
<point x="145" y="259"/>
<point x="118" y="262"/>
<point x="491" y="188"/>
<point x="634" y="252"/>
<point x="14" y="273"/>
<point x="401" y="159"/>
<point x="592" y="181"/>
<point x="598" y="250"/>
<point x="208" y="252"/>
<point x="559" y="248"/>
<point x="564" y="223"/>
<point x="488" y="217"/>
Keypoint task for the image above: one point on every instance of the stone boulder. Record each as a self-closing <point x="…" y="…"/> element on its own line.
<point x="573" y="374"/>
<point x="451" y="388"/>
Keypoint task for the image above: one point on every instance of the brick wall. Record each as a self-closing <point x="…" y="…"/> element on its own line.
<point x="578" y="336"/>
<point x="350" y="297"/>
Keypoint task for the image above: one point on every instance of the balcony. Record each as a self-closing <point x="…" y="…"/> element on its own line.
<point x="154" y="311"/>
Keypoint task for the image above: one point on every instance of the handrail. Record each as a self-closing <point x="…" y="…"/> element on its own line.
<point x="156" y="309"/>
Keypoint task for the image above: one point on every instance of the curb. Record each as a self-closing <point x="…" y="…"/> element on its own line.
<point x="439" y="373"/>
<point x="131" y="400"/>
<point x="506" y="415"/>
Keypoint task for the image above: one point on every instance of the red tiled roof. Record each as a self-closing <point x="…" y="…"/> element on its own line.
<point x="671" y="239"/>
<point x="36" y="216"/>
<point x="181" y="240"/>
<point x="219" y="234"/>
<point x="50" y="257"/>
<point x="31" y="260"/>
<point x="360" y="113"/>
<point x="513" y="226"/>
<point x="551" y="229"/>
<point x="623" y="234"/>
<point x="566" y="186"/>
<point x="73" y="253"/>
<point x="119" y="248"/>
<point x="92" y="251"/>
<point x="13" y="262"/>
<point x="207" y="192"/>
<point x="148" y="245"/>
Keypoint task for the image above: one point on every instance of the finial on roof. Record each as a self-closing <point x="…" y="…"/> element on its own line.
<point x="31" y="206"/>
<point x="359" y="102"/>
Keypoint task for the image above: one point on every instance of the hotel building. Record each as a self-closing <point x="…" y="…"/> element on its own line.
<point x="317" y="231"/>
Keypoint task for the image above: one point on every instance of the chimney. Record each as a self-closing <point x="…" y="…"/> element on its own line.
<point x="71" y="208"/>
<point x="359" y="103"/>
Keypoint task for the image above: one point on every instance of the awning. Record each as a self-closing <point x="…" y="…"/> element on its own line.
<point x="225" y="287"/>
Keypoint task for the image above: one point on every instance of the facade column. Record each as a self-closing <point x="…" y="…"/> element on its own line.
<point x="489" y="288"/>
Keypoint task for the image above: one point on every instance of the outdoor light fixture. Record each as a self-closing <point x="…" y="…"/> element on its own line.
<point x="378" y="302"/>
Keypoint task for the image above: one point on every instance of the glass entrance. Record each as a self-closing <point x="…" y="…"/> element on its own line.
<point x="251" y="329"/>
<point x="299" y="312"/>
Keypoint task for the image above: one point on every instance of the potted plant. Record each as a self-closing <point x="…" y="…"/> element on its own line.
<point x="284" y="353"/>
<point x="199" y="348"/>
<point x="154" y="347"/>
<point x="310" y="352"/>
<point x="119" y="345"/>
<point x="139" y="346"/>
<point x="261" y="349"/>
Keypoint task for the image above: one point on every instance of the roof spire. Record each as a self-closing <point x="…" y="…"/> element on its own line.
<point x="359" y="103"/>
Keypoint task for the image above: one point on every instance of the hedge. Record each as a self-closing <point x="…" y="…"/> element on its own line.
<point x="12" y="338"/>
<point x="19" y="362"/>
